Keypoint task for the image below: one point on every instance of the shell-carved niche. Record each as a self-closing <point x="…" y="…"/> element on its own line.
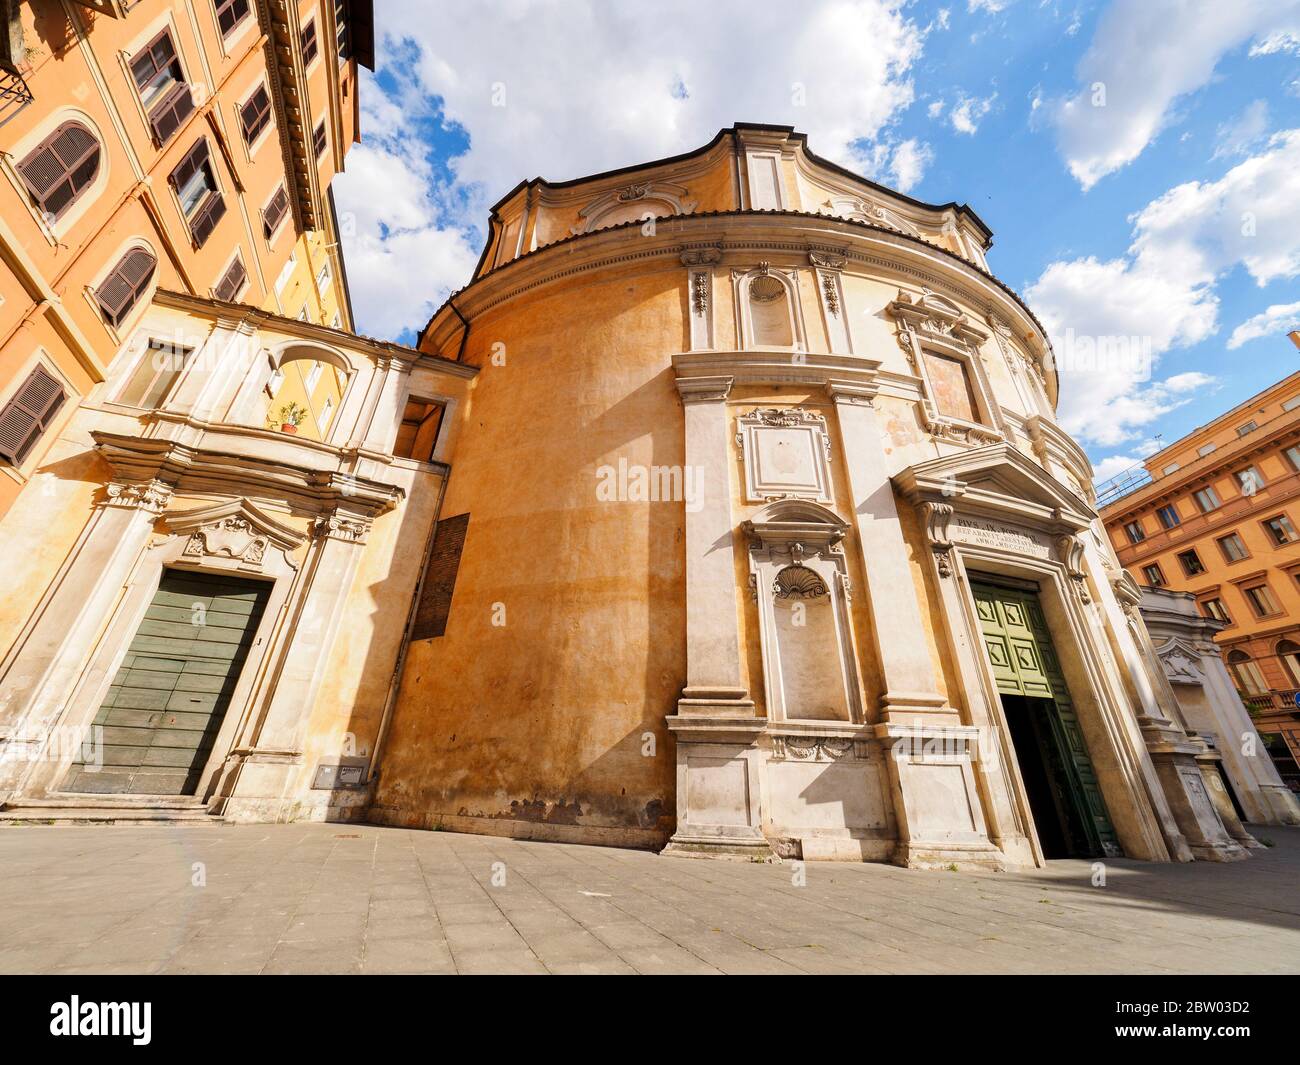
<point x="633" y="202"/>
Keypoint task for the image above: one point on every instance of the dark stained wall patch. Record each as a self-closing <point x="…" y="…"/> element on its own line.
<point x="440" y="578"/>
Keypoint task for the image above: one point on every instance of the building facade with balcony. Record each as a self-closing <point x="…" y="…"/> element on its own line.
<point x="1217" y="517"/>
<point x="160" y="144"/>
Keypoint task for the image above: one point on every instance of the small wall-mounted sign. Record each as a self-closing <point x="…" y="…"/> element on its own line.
<point x="348" y="774"/>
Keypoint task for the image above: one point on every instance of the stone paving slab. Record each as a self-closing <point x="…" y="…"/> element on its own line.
<point x="319" y="898"/>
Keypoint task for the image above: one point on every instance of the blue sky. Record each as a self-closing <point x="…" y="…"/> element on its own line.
<point x="1137" y="160"/>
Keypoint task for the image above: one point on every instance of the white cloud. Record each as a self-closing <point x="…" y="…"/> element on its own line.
<point x="1146" y="55"/>
<point x="564" y="88"/>
<point x="1274" y="321"/>
<point x="991" y="6"/>
<point x="1242" y="133"/>
<point x="968" y="112"/>
<point x="935" y="109"/>
<point x="1161" y="294"/>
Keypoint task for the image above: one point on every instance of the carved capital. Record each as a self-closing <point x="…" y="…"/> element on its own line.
<point x="152" y="496"/>
<point x="937" y="518"/>
<point x="349" y="528"/>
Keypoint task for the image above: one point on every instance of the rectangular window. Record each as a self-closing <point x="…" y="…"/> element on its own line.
<point x="318" y="139"/>
<point x="1214" y="608"/>
<point x="417" y="436"/>
<point x="1207" y="499"/>
<point x="154" y="375"/>
<point x="1249" y="427"/>
<point x="953" y="395"/>
<point x="1154" y="574"/>
<point x="327" y="412"/>
<point x="1206" y="449"/>
<point x="1291" y="403"/>
<point x="323" y="279"/>
<point x="1293" y="457"/>
<point x="232" y="282"/>
<point x="286" y="272"/>
<point x="28" y="414"/>
<point x="1233" y="547"/>
<point x="313" y="375"/>
<point x="255" y="114"/>
<point x="195" y="183"/>
<point x="1168" y="515"/>
<point x="1249" y="480"/>
<point x="1261" y="600"/>
<point x="230" y="13"/>
<point x="342" y="30"/>
<point x="1171" y="468"/>
<point x="1280" y="529"/>
<point x="161" y="83"/>
<point x="275" y="212"/>
<point x="434" y="605"/>
<point x="310" y="44"/>
<point x="1136" y="534"/>
<point x="1191" y="563"/>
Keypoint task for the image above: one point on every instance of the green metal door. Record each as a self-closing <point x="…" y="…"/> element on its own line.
<point x="169" y="696"/>
<point x="1019" y="646"/>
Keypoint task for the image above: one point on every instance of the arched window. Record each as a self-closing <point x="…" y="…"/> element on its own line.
<point x="769" y="311"/>
<point x="1288" y="651"/>
<point x="1247" y="673"/>
<point x="59" y="169"/>
<point x="125" y="284"/>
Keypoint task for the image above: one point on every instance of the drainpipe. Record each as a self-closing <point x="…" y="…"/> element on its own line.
<point x="395" y="683"/>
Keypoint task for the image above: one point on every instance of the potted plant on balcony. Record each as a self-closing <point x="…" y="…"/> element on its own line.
<point x="288" y="417"/>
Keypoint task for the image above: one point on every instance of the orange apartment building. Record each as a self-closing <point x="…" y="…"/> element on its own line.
<point x="185" y="145"/>
<point x="1217" y="514"/>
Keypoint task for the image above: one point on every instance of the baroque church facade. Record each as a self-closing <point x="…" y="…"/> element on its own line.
<point x="724" y="510"/>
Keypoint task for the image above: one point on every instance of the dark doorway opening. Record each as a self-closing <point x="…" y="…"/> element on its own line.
<point x="1062" y="831"/>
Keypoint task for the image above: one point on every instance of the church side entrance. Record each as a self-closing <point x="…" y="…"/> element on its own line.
<point x="1060" y="782"/>
<point x="168" y="698"/>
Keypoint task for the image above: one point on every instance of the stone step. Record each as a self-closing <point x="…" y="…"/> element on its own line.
<point x="106" y="809"/>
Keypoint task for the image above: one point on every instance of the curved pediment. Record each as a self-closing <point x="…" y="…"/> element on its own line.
<point x="998" y="480"/>
<point x="795" y="520"/>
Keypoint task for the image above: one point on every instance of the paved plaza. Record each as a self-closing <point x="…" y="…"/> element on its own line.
<point x="318" y="898"/>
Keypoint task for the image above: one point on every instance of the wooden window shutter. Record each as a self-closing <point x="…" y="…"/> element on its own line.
<point x="310" y="45"/>
<point x="61" y="167"/>
<point x="273" y="213"/>
<point x="318" y="139"/>
<point x="231" y="282"/>
<point x="206" y="218"/>
<point x="434" y="606"/>
<point x="154" y="58"/>
<point x="187" y="167"/>
<point x="255" y="114"/>
<point x="230" y="13"/>
<point x="172" y="110"/>
<point x="28" y="414"/>
<point x="125" y="284"/>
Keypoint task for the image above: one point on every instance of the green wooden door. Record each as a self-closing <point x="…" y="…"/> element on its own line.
<point x="169" y="696"/>
<point x="1019" y="646"/>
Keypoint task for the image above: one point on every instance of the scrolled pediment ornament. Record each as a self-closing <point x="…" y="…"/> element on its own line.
<point x="938" y="517"/>
<point x="232" y="537"/>
<point x="930" y="317"/>
<point x="1073" y="554"/>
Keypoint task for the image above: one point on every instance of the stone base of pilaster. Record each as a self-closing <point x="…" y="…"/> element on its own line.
<point x="1189" y="800"/>
<point x="719" y="778"/>
<point x="937" y="804"/>
<point x="1282" y="802"/>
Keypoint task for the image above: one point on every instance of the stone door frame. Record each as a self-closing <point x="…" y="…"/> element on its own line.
<point x="260" y="550"/>
<point x="993" y="511"/>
